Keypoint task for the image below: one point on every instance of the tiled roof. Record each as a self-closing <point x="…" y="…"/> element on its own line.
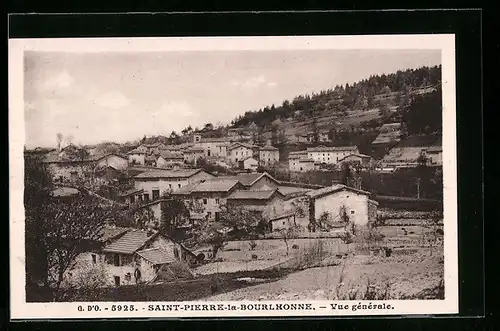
<point x="215" y="140"/>
<point x="239" y="144"/>
<point x="130" y="192"/>
<point x="253" y="195"/>
<point x="182" y="173"/>
<point x="269" y="148"/>
<point x="363" y="156"/>
<point x="285" y="190"/>
<point x="195" y="150"/>
<point x="139" y="150"/>
<point x="156" y="256"/>
<point x="333" y="189"/>
<point x="170" y="155"/>
<point x="110" y="232"/>
<point x="129" y="242"/>
<point x="332" y="149"/>
<point x="282" y="216"/>
<point x="211" y="185"/>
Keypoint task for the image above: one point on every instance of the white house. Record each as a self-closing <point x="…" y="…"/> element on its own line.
<point x="435" y="155"/>
<point x="138" y="155"/>
<point x="191" y="155"/>
<point x="330" y="200"/>
<point x="249" y="163"/>
<point x="330" y="155"/>
<point x="155" y="183"/>
<point x="116" y="161"/>
<point x="168" y="159"/>
<point x="238" y="151"/>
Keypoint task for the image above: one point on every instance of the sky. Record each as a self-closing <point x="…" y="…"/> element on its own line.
<point x="96" y="97"/>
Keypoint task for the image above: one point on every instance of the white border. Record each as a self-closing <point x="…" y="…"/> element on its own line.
<point x="446" y="43"/>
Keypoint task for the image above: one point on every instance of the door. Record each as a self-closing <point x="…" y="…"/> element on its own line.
<point x="156" y="194"/>
<point x="116" y="260"/>
<point x="117" y="280"/>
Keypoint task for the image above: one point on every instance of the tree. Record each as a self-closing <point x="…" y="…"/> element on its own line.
<point x="288" y="234"/>
<point x="87" y="280"/>
<point x="174" y="213"/>
<point x="66" y="230"/>
<point x="209" y="127"/>
<point x="59" y="139"/>
<point x="144" y="218"/>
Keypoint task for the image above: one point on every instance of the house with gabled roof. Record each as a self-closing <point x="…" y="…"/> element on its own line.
<point x="249" y="163"/>
<point x="269" y="155"/>
<point x="268" y="203"/>
<point x="137" y="256"/>
<point x="168" y="159"/>
<point x="206" y="199"/>
<point x="239" y="150"/>
<point x="255" y="181"/>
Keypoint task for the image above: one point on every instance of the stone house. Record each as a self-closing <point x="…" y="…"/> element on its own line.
<point x="361" y="159"/>
<point x="269" y="155"/>
<point x="239" y="151"/>
<point x="268" y="203"/>
<point x="157" y="182"/>
<point x="358" y="206"/>
<point x="116" y="161"/>
<point x="138" y="155"/>
<point x="206" y="199"/>
<point x="249" y="163"/>
<point x="191" y="155"/>
<point x="255" y="181"/>
<point x="167" y="159"/>
<point x="282" y="222"/>
<point x="330" y="155"/>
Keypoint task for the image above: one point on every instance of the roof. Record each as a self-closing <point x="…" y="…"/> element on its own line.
<point x="282" y="216"/>
<point x="363" y="156"/>
<point x="253" y="195"/>
<point x="247" y="158"/>
<point x="239" y="144"/>
<point x="109" y="232"/>
<point x="333" y="189"/>
<point x="435" y="149"/>
<point x="248" y="179"/>
<point x="155" y="256"/>
<point x="269" y="148"/>
<point x="100" y="157"/>
<point x="286" y="190"/>
<point x="64" y="192"/>
<point x="215" y="140"/>
<point x="332" y="149"/>
<point x="297" y="155"/>
<point x="139" y="150"/>
<point x="182" y="173"/>
<point x="129" y="243"/>
<point x="169" y="155"/>
<point x="195" y="150"/>
<point x="211" y="185"/>
<point x="131" y="192"/>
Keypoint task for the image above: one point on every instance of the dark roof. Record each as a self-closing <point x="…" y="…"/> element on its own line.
<point x="169" y="155"/>
<point x="253" y="195"/>
<point x="332" y="149"/>
<point x="156" y="256"/>
<point x="238" y="144"/>
<point x="131" y="192"/>
<point x="210" y="185"/>
<point x="269" y="148"/>
<point x="129" y="242"/>
<point x="333" y="189"/>
<point x="182" y="173"/>
<point x="247" y="179"/>
<point x="110" y="232"/>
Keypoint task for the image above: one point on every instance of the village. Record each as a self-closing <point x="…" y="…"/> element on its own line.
<point x="242" y="212"/>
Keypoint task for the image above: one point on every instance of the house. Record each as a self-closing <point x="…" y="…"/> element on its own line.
<point x="362" y="159"/>
<point x="302" y="138"/>
<point x="238" y="151"/>
<point x="255" y="181"/>
<point x="157" y="182"/>
<point x="191" y="155"/>
<point x="108" y="174"/>
<point x="131" y="196"/>
<point x="269" y="203"/>
<point x="330" y="155"/>
<point x="116" y="161"/>
<point x="138" y="155"/>
<point x="167" y="159"/>
<point x="66" y="166"/>
<point x="331" y="200"/>
<point x="323" y="136"/>
<point x="249" y="163"/>
<point x="269" y="155"/>
<point x="211" y="145"/>
<point x="282" y="222"/>
<point x="207" y="198"/>
<point x="435" y="155"/>
<point x="137" y="256"/>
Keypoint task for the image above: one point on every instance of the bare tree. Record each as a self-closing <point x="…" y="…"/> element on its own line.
<point x="288" y="234"/>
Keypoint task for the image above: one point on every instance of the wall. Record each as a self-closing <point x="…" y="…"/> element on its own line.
<point x="263" y="181"/>
<point x="357" y="203"/>
<point x="283" y="223"/>
<point x="292" y="206"/>
<point x="295" y="165"/>
<point x="331" y="157"/>
<point x="251" y="164"/>
<point x="269" y="157"/>
<point x="211" y="206"/>
<point x="167" y="184"/>
<point x="161" y="162"/>
<point x="435" y="158"/>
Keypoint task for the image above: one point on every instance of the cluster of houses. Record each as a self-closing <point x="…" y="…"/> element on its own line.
<point x="314" y="157"/>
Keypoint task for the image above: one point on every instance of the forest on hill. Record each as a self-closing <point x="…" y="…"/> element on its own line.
<point x="377" y="91"/>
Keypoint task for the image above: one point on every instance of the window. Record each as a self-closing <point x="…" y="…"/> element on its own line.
<point x="179" y="185"/>
<point x="217" y="200"/>
<point x="146" y="197"/>
<point x="156" y="194"/>
<point x="176" y="252"/>
<point x="132" y="199"/>
<point x="205" y="201"/>
<point x="94" y="259"/>
<point x="116" y="260"/>
<point x="169" y="185"/>
<point x="117" y="280"/>
<point x="236" y="153"/>
<point x="128" y="277"/>
<point x="352" y="212"/>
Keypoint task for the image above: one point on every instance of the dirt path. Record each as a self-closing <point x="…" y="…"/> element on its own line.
<point x="406" y="275"/>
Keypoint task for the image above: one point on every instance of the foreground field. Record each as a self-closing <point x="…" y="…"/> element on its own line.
<point x="416" y="276"/>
